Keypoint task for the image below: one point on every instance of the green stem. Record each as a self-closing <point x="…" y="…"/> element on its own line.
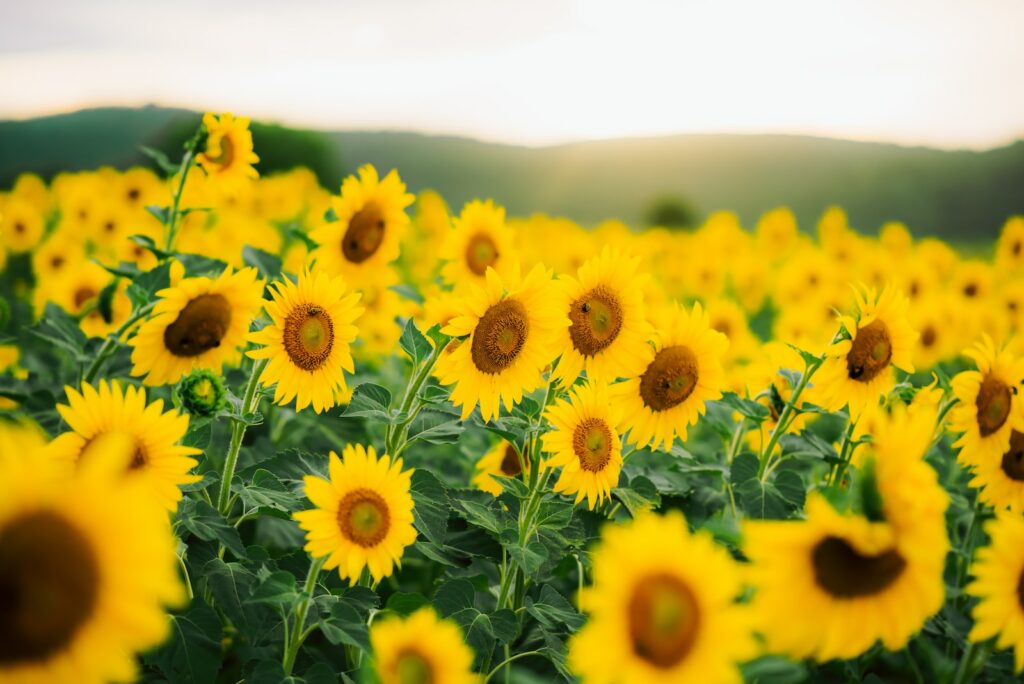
<point x="298" y="634"/>
<point x="394" y="439"/>
<point x="736" y="441"/>
<point x="972" y="661"/>
<point x="508" y="661"/>
<point x="967" y="550"/>
<point x="172" y="219"/>
<point x="238" y="427"/>
<point x="787" y="414"/>
<point x="188" y="580"/>
<point x="110" y="344"/>
<point x="845" y="453"/>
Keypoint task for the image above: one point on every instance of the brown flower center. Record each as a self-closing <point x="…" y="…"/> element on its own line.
<point x="49" y="586"/>
<point x="412" y="668"/>
<point x="226" y="154"/>
<point x="363" y="517"/>
<point x="499" y="336"/>
<point x="364" y="234"/>
<point x="669" y="379"/>
<point x="971" y="290"/>
<point x="596" y="319"/>
<point x="82" y="295"/>
<point x="993" y="404"/>
<point x="845" y="573"/>
<point x="134" y="194"/>
<point x="928" y="336"/>
<point x="1013" y="460"/>
<point x="870" y="353"/>
<point x="56" y="262"/>
<point x="308" y="337"/>
<point x="19" y="227"/>
<point x="592" y="442"/>
<point x="481" y="252"/>
<point x="199" y="327"/>
<point x="664" y="619"/>
<point x="511" y="466"/>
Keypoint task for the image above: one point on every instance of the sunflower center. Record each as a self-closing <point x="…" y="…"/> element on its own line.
<point x="308" y="337"/>
<point x="993" y="404"/>
<point x="499" y="336"/>
<point x="49" y="586"/>
<point x="19" y="227"/>
<point x="412" y="668"/>
<point x="928" y="336"/>
<point x="481" y="252"/>
<point x="592" y="442"/>
<point x="596" y="319"/>
<point x="199" y="327"/>
<point x="133" y="194"/>
<point x="82" y="295"/>
<point x="511" y="466"/>
<point x="131" y="451"/>
<point x="363" y="517"/>
<point x="971" y="290"/>
<point x="669" y="379"/>
<point x="364" y="234"/>
<point x="870" y="352"/>
<point x="1013" y="460"/>
<point x="226" y="154"/>
<point x="56" y="261"/>
<point x="663" y="620"/>
<point x="845" y="573"/>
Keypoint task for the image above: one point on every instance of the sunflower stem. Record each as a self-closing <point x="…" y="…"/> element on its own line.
<point x="186" y="166"/>
<point x="736" y="441"/>
<point x="967" y="550"/>
<point x="972" y="661"/>
<point x="394" y="437"/>
<point x="110" y="344"/>
<point x="845" y="454"/>
<point x="785" y="418"/>
<point x="238" y="427"/>
<point x="298" y="634"/>
<point x="509" y="661"/>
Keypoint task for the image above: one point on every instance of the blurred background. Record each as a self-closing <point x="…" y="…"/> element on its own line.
<point x="649" y="112"/>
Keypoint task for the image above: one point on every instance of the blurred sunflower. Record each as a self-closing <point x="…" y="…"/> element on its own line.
<point x="989" y="408"/>
<point x="420" y="649"/>
<point x="503" y="460"/>
<point x="998" y="572"/>
<point x="228" y="155"/>
<point x="21" y="223"/>
<point x="479" y="240"/>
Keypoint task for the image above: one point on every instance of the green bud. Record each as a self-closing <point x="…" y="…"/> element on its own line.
<point x="201" y="393"/>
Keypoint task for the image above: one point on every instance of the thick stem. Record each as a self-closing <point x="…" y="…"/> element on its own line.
<point x="298" y="633"/>
<point x="972" y="661"/>
<point x="238" y="427"/>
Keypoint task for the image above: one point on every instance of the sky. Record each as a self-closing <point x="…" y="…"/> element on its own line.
<point x="941" y="73"/>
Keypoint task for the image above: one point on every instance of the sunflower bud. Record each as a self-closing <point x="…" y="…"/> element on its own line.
<point x="201" y="393"/>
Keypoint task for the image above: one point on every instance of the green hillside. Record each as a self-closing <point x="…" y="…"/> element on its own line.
<point x="959" y="195"/>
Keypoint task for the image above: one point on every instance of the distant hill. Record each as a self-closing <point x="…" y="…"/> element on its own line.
<point x="959" y="195"/>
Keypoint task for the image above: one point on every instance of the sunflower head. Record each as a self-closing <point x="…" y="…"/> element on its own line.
<point x="503" y="460"/>
<point x="420" y="649"/>
<point x="228" y="154"/>
<point x="479" y="240"/>
<point x="998" y="572"/>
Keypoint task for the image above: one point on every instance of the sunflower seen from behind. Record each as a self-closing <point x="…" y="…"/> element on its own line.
<point x="479" y="239"/>
<point x="503" y="460"/>
<point x="513" y="327"/>
<point x="198" y="322"/>
<point x="420" y="649"/>
<point x="308" y="342"/>
<point x="584" y="443"/>
<point x="228" y="156"/>
<point x="662" y="608"/>
<point x="998" y="572"/>
<point x="363" y="515"/>
<point x="668" y="387"/>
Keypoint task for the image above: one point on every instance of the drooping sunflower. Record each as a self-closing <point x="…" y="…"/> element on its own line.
<point x="858" y="370"/>
<point x="229" y="155"/>
<point x="998" y="572"/>
<point x="989" y="408"/>
<point x="421" y="649"/>
<point x="370" y="221"/>
<point x="662" y="608"/>
<point x="502" y="460"/>
<point x="74" y="608"/>
<point x="103" y="415"/>
<point x="198" y="323"/>
<point x="607" y="331"/>
<point x="683" y="370"/>
<point x="584" y="443"/>
<point x="513" y="326"/>
<point x="479" y="240"/>
<point x="308" y="340"/>
<point x="363" y="514"/>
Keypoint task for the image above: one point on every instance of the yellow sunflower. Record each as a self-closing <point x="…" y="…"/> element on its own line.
<point x="363" y="515"/>
<point x="87" y="568"/>
<point x="513" y="326"/>
<point x="421" y="649"/>
<point x="584" y="443"/>
<point x="479" y="240"/>
<point x="503" y="460"/>
<point x="683" y="370"/>
<point x="998" y="572"/>
<point x="1000" y="480"/>
<point x="21" y="223"/>
<point x="198" y="323"/>
<point x="370" y="221"/>
<point x="857" y="371"/>
<point x="662" y="608"/>
<point x="988" y="407"/>
<point x="608" y="332"/>
<point x="228" y="156"/>
<point x="308" y="340"/>
<point x="99" y="416"/>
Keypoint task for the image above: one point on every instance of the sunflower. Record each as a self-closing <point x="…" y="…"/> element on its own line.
<point x="1000" y="480"/>
<point x="101" y="415"/>
<point x="1010" y="246"/>
<point x="988" y="408"/>
<point x="479" y="240"/>
<point x="998" y="572"/>
<point x="683" y="370"/>
<point x="421" y="649"/>
<point x="662" y="608"/>
<point x="502" y="460"/>
<point x="370" y="221"/>
<point x="858" y="370"/>
<point x="513" y="326"/>
<point x="198" y="323"/>
<point x="87" y="568"/>
<point x="229" y="151"/>
<point x="21" y="223"/>
<point x="363" y="514"/>
<point x="584" y="443"/>
<point x="308" y="340"/>
<point x="607" y="331"/>
<point x="20" y="439"/>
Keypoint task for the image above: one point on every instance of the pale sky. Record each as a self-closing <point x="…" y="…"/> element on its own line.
<point x="947" y="73"/>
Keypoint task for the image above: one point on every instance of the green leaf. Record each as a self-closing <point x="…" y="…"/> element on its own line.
<point x="744" y="467"/>
<point x="774" y="670"/>
<point x="553" y="611"/>
<point x="453" y="596"/>
<point x="370" y="401"/>
<point x="748" y="408"/>
<point x="203" y="520"/>
<point x="408" y="292"/>
<point x="161" y="214"/>
<point x="430" y="505"/>
<point x="266" y="491"/>
<point x="513" y="485"/>
<point x="231" y="585"/>
<point x="165" y="164"/>
<point x="105" y="301"/>
<point x="57" y="327"/>
<point x="153" y="280"/>
<point x="405" y="603"/>
<point x="344" y="624"/>
<point x="277" y="589"/>
<point x="268" y="265"/>
<point x="414" y="343"/>
<point x="482" y="514"/>
<point x="529" y="557"/>
<point x="435" y="427"/>
<point x="193" y="652"/>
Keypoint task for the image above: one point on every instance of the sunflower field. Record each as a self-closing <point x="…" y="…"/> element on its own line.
<point x="257" y="430"/>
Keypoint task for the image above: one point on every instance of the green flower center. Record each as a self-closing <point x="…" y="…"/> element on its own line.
<point x="308" y="337"/>
<point x="595" y="321"/>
